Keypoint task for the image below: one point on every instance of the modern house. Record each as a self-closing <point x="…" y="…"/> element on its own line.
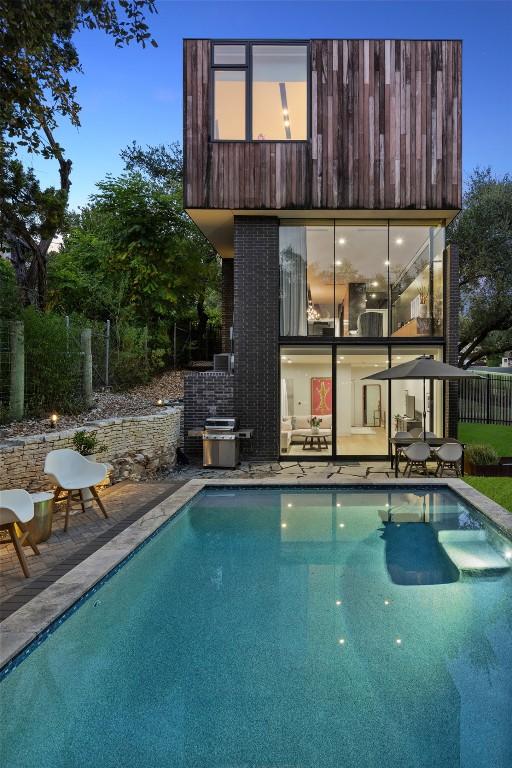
<point x="324" y="172"/>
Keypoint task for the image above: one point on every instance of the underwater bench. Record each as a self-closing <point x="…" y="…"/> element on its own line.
<point x="471" y="552"/>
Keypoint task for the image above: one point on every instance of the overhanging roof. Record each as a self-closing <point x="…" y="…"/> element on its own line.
<point x="218" y="224"/>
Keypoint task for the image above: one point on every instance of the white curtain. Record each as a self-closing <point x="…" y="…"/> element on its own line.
<point x="293" y="262"/>
<point x="284" y="399"/>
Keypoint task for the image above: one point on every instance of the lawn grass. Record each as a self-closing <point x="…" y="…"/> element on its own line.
<point x="499" y="489"/>
<point x="497" y="435"/>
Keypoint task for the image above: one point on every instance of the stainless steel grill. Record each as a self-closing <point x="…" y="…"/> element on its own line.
<point x="221" y="442"/>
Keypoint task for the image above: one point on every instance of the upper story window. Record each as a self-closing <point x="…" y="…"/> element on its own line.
<point x="260" y="92"/>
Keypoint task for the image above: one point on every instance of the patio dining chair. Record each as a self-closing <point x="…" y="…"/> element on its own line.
<point x="16" y="510"/>
<point x="70" y="471"/>
<point x="399" y="449"/>
<point x="425" y="435"/>
<point x="449" y="456"/>
<point x="417" y="455"/>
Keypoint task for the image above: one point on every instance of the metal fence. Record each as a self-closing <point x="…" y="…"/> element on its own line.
<point x="487" y="400"/>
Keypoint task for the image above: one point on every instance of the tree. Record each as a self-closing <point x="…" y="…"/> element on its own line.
<point x="483" y="234"/>
<point x="38" y="56"/>
<point x="134" y="250"/>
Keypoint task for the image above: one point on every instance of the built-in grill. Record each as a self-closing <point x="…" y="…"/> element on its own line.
<point x="221" y="442"/>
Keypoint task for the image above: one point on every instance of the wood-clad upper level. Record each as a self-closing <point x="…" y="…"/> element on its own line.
<point x="384" y="133"/>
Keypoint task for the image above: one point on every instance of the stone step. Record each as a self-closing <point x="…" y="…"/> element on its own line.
<point x="470" y="552"/>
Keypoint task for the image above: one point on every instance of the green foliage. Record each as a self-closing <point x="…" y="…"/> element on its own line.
<point x="87" y="443"/>
<point x="483" y="234"/>
<point x="10" y="304"/>
<point x="499" y="489"/>
<point x="130" y="364"/>
<point x="52" y="365"/>
<point x="481" y="454"/>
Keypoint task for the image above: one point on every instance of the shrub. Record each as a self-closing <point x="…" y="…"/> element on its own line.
<point x="52" y="364"/>
<point x="481" y="454"/>
<point x="10" y="302"/>
<point x="87" y="443"/>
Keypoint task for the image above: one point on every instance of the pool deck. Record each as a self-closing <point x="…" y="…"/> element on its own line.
<point x="33" y="608"/>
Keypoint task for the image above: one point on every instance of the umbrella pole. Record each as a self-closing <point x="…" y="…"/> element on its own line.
<point x="424" y="410"/>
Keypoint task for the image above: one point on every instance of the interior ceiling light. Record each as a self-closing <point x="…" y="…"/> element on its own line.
<point x="399" y="241"/>
<point x="386" y="263"/>
<point x="338" y="263"/>
<point x="375" y="284"/>
<point x="342" y="241"/>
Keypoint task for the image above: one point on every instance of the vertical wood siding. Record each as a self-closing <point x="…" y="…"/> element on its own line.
<point x="385" y="134"/>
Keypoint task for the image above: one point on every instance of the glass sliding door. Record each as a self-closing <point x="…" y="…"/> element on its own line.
<point x="306" y="398"/>
<point x="407" y="395"/>
<point x="361" y="406"/>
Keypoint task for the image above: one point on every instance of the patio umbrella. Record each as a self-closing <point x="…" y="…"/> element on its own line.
<point x="424" y="367"/>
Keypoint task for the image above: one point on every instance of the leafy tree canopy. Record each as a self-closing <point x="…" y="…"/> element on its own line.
<point x="483" y="234"/>
<point x="39" y="54"/>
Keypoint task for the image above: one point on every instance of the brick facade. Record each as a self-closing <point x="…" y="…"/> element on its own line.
<point x="451" y="309"/>
<point x="256" y="329"/>
<point x="227" y="302"/>
<point x="208" y="393"/>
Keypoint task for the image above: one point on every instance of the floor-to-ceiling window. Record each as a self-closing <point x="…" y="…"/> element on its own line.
<point x="407" y="404"/>
<point x="366" y="279"/>
<point x="361" y="405"/>
<point x="306" y="401"/>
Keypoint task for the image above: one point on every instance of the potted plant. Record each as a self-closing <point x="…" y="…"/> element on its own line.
<point x="423" y="294"/>
<point x="315" y="422"/>
<point x="87" y="444"/>
<point x="479" y="458"/>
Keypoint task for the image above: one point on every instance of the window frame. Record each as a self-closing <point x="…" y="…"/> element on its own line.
<point x="248" y="69"/>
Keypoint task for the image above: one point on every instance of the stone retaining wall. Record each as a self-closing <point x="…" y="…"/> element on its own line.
<point x="136" y="447"/>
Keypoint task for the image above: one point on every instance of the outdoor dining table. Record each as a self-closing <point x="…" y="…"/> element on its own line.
<point x="434" y="442"/>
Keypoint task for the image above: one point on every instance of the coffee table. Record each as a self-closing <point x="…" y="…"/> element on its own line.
<point x="315" y="442"/>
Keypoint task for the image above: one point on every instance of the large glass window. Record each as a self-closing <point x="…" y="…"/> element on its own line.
<point x="361" y="270"/>
<point x="307" y="281"/>
<point x="361" y="279"/>
<point x="306" y="401"/>
<point x="362" y="406"/>
<point x="267" y="81"/>
<point x="407" y="404"/>
<point x="416" y="279"/>
<point x="279" y="92"/>
<point x="229" y="115"/>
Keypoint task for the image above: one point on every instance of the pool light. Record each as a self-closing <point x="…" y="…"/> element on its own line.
<point x="284" y="525"/>
<point x="386" y="602"/>
<point x="342" y="525"/>
<point x="341" y="641"/>
<point x="398" y="641"/>
<point x="338" y="602"/>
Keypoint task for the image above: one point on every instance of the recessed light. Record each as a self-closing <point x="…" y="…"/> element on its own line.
<point x="373" y="295"/>
<point x="375" y="284"/>
<point x="508" y="554"/>
<point x="288" y="361"/>
<point x="386" y="263"/>
<point x="342" y="525"/>
<point x="338" y="602"/>
<point x="284" y="525"/>
<point x="399" y="241"/>
<point x="342" y="241"/>
<point x="338" y="263"/>
<point x="341" y="641"/>
<point x="338" y="504"/>
<point x="398" y="641"/>
<point x="386" y="602"/>
<point x="290" y="505"/>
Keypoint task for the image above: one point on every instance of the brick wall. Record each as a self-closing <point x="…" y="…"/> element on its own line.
<point x="208" y="393"/>
<point x="256" y="329"/>
<point x="227" y="303"/>
<point x="451" y="308"/>
<point x="136" y="446"/>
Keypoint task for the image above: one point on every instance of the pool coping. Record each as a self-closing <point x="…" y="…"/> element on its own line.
<point x="21" y="628"/>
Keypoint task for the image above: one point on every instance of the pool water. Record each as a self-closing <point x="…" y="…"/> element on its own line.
<point x="283" y="628"/>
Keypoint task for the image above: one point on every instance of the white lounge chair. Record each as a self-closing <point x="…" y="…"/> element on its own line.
<point x="416" y="455"/>
<point x="17" y="508"/>
<point x="70" y="471"/>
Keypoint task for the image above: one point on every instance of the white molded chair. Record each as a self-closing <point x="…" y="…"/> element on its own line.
<point x="449" y="456"/>
<point x="70" y="471"/>
<point x="17" y="508"/>
<point x="416" y="455"/>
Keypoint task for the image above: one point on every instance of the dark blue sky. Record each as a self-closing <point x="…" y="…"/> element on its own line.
<point x="137" y="94"/>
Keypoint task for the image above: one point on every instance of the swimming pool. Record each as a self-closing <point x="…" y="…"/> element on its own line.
<point x="283" y="627"/>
